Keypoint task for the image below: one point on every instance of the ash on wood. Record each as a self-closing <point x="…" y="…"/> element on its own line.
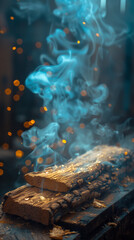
<point x="86" y="167"/>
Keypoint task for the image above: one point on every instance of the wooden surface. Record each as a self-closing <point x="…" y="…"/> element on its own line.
<point x="110" y="222"/>
<point x="48" y="207"/>
<point x="86" y="167"/>
<point x="92" y="223"/>
<point x="15" y="228"/>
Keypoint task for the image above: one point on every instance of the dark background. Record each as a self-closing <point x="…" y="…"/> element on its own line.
<point x="21" y="45"/>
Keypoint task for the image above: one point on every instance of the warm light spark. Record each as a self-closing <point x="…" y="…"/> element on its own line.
<point x="38" y="44"/>
<point x="66" y="30"/>
<point x="5" y="146"/>
<point x="8" y="91"/>
<point x="40" y="160"/>
<point x="26" y="124"/>
<point x="109" y="105"/>
<point x="1" y="172"/>
<point x="13" y="48"/>
<point x="16" y="97"/>
<point x="19" y="154"/>
<point x="45" y="109"/>
<point x="8" y="109"/>
<point x="19" y="41"/>
<point x="64" y="141"/>
<point x="24" y="169"/>
<point x="11" y="17"/>
<point x="95" y="69"/>
<point x="78" y="41"/>
<point x="9" y="134"/>
<point x="21" y="87"/>
<point x="19" y="50"/>
<point x="83" y="93"/>
<point x="1" y="164"/>
<point x="16" y="83"/>
<point x="28" y="162"/>
<point x="82" y="125"/>
<point x="32" y="122"/>
<point x="19" y="132"/>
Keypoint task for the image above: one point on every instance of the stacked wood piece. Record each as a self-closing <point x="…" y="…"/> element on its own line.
<point x="86" y="167"/>
<point x="48" y="207"/>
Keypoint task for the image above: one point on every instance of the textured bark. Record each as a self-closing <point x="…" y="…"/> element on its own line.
<point x="86" y="167"/>
<point x="48" y="207"/>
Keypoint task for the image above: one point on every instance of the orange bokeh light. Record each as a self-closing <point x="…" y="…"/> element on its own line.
<point x="26" y="124"/>
<point x="21" y="87"/>
<point x="5" y="146"/>
<point x="83" y="93"/>
<point x="19" y="41"/>
<point x="109" y="105"/>
<point x="1" y="164"/>
<point x="20" y="50"/>
<point x="16" y="83"/>
<point x="19" y="154"/>
<point x="9" y="109"/>
<point x="13" y="48"/>
<point x="82" y="125"/>
<point x="9" y="134"/>
<point x="16" y="97"/>
<point x="12" y="18"/>
<point x="97" y="34"/>
<point x="24" y="170"/>
<point x="19" y="132"/>
<point x="32" y="122"/>
<point x="38" y="44"/>
<point x="66" y="30"/>
<point x="1" y="172"/>
<point x="28" y="162"/>
<point x="70" y="130"/>
<point x="8" y="91"/>
<point x="43" y="109"/>
<point x="40" y="160"/>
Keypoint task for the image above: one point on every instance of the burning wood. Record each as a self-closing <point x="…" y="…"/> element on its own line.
<point x="48" y="207"/>
<point x="86" y="167"/>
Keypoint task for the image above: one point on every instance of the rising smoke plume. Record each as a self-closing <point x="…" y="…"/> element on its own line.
<point x="68" y="86"/>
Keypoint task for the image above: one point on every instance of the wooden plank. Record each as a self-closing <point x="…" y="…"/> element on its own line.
<point x="92" y="221"/>
<point x="48" y="207"/>
<point x="86" y="167"/>
<point x="15" y="228"/>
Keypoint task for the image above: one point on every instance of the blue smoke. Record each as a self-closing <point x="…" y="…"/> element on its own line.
<point x="67" y="86"/>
